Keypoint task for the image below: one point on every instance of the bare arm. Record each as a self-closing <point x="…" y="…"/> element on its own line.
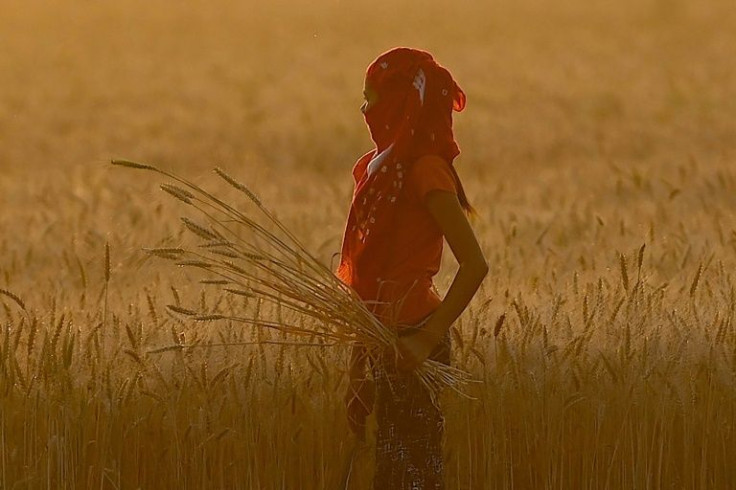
<point x="447" y="212"/>
<point x="445" y="209"/>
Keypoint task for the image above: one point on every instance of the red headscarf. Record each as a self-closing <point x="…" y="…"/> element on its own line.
<point x="412" y="117"/>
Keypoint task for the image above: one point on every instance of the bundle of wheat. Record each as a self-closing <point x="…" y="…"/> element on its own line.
<point x="255" y="255"/>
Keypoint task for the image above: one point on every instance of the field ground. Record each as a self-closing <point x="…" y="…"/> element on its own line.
<point x="598" y="148"/>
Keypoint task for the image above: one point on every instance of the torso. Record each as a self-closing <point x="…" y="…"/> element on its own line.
<point x="415" y="247"/>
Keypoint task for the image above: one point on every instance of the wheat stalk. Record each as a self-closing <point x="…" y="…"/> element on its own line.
<point x="272" y="265"/>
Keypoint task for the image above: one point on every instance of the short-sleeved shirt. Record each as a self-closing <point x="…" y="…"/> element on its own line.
<point x="416" y="245"/>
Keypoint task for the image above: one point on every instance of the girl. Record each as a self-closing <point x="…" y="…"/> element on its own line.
<point x="407" y="197"/>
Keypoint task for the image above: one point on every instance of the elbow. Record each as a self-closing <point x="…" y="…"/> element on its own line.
<point x="481" y="265"/>
<point x="482" y="269"/>
<point x="477" y="268"/>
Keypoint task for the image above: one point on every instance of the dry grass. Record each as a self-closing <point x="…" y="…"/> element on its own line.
<point x="598" y="150"/>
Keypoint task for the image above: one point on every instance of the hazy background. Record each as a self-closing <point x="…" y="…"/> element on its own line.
<point x="227" y="81"/>
<point x="559" y="93"/>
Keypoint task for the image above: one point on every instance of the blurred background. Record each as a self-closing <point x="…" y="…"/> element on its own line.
<point x="280" y="82"/>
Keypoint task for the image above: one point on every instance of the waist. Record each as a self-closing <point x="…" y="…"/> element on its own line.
<point x="401" y="303"/>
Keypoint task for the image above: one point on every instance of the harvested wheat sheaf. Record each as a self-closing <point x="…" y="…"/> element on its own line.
<point x="255" y="255"/>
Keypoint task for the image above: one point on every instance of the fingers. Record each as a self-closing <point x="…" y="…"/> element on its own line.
<point x="407" y="356"/>
<point x="407" y="360"/>
<point x="407" y="365"/>
<point x="403" y="362"/>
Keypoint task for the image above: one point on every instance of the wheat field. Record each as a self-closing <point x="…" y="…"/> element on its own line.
<point x="599" y="149"/>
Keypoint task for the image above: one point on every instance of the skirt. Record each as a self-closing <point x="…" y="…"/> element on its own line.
<point x="410" y="429"/>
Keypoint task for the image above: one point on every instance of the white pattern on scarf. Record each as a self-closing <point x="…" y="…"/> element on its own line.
<point x="377" y="160"/>
<point x="420" y="83"/>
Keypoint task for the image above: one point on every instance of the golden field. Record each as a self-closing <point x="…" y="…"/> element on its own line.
<point x="599" y="149"/>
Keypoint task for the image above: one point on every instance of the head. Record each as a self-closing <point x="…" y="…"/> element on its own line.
<point x="409" y="101"/>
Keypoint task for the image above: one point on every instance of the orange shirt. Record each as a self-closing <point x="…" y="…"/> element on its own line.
<point x="406" y="292"/>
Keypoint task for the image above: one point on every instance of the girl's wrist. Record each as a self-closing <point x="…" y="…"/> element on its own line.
<point x="436" y="331"/>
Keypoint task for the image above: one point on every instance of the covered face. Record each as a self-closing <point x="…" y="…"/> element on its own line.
<point x="409" y="103"/>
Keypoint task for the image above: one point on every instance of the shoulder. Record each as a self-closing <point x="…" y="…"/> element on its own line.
<point x="431" y="161"/>
<point x="431" y="172"/>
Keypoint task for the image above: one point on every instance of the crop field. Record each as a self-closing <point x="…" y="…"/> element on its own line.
<point x="598" y="148"/>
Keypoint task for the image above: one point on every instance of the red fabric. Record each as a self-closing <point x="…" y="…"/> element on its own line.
<point x="392" y="247"/>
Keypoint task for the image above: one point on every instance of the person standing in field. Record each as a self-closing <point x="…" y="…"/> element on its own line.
<point x="407" y="197"/>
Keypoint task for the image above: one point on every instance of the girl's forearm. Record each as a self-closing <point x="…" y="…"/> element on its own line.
<point x="464" y="286"/>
